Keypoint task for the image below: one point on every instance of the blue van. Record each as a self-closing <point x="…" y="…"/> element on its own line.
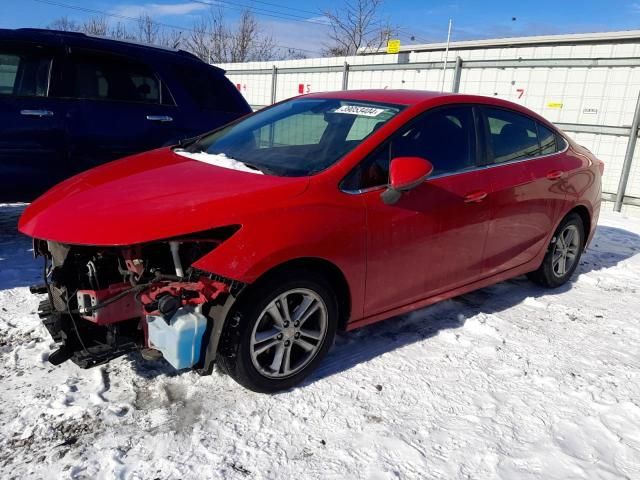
<point x="70" y="101"/>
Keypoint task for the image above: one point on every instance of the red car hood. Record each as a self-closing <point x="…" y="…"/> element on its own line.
<point x="152" y="196"/>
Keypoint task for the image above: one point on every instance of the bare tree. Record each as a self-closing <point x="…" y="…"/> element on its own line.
<point x="293" y="54"/>
<point x="171" y="38"/>
<point x="148" y="29"/>
<point x="120" y="32"/>
<point x="151" y="32"/>
<point x="357" y="24"/>
<point x="96" y="26"/>
<point x="92" y="26"/>
<point x="219" y="37"/>
<point x="214" y="40"/>
<point x="199" y="40"/>
<point x="247" y="41"/>
<point x="211" y="38"/>
<point x="65" y="24"/>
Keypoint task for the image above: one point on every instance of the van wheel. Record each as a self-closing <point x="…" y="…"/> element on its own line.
<point x="563" y="254"/>
<point x="280" y="331"/>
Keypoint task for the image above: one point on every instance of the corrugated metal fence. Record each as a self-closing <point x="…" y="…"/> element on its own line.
<point x="593" y="98"/>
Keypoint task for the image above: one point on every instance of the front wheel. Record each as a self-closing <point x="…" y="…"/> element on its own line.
<point x="280" y="331"/>
<point x="563" y="255"/>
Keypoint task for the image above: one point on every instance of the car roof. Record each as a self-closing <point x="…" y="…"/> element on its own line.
<point x="399" y="97"/>
<point x="412" y="98"/>
<point x="115" y="45"/>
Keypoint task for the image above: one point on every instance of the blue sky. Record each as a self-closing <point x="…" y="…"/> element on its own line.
<point x="295" y="23"/>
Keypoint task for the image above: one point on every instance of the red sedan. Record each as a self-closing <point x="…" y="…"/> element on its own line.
<point x="252" y="245"/>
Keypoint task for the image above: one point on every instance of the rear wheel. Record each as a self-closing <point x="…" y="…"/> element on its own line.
<point x="563" y="255"/>
<point x="280" y="331"/>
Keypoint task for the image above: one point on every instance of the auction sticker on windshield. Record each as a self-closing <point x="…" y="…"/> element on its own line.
<point x="360" y="110"/>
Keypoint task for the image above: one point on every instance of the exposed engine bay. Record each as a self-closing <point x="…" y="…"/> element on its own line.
<point x="102" y="300"/>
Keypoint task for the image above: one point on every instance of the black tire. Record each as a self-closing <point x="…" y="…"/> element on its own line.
<point x="546" y="275"/>
<point x="235" y="356"/>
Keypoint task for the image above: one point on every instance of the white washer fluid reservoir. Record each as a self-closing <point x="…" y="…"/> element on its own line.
<point x="180" y="338"/>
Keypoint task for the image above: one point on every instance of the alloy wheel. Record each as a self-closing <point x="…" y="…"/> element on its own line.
<point x="565" y="251"/>
<point x="288" y="333"/>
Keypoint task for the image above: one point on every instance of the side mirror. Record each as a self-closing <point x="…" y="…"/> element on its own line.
<point x="405" y="173"/>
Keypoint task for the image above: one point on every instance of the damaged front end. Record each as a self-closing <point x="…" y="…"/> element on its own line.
<point x="104" y="302"/>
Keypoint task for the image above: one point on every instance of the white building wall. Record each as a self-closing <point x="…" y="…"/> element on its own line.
<point x="596" y="95"/>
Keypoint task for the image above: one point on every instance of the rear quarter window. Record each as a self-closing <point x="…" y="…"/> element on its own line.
<point x="547" y="140"/>
<point x="561" y="142"/>
<point x="512" y="136"/>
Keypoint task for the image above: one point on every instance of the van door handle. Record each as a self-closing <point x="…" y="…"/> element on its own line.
<point x="475" y="197"/>
<point x="160" y="118"/>
<point x="555" y="174"/>
<point x="37" y="113"/>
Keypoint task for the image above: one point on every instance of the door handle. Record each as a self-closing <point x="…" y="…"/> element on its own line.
<point x="475" y="197"/>
<point x="160" y="118"/>
<point x="555" y="174"/>
<point x="37" y="113"/>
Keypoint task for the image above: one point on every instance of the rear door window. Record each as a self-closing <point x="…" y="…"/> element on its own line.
<point x="511" y="136"/>
<point x="106" y="77"/>
<point x="24" y="72"/>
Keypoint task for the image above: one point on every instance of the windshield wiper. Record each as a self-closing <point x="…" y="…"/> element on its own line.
<point x="187" y="142"/>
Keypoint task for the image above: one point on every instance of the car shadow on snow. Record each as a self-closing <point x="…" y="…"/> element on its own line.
<point x="149" y="369"/>
<point x="17" y="266"/>
<point x="609" y="247"/>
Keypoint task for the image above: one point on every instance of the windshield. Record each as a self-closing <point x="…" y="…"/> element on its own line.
<point x="299" y="137"/>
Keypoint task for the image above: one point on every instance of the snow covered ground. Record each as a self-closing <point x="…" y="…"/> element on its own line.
<point x="508" y="382"/>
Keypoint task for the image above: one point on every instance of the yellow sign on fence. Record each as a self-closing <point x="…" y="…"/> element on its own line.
<point x="554" y="104"/>
<point x="393" y="46"/>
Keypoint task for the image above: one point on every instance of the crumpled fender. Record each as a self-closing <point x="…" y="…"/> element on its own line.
<point x="335" y="233"/>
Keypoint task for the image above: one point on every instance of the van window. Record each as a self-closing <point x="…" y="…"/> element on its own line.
<point x="105" y="77"/>
<point x="208" y="89"/>
<point x="24" y="73"/>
